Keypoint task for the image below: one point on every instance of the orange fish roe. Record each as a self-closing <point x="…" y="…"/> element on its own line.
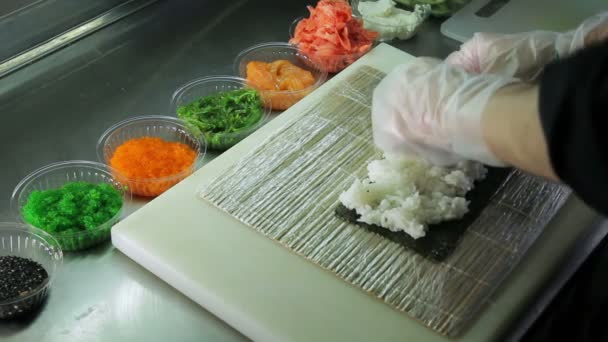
<point x="146" y="163"/>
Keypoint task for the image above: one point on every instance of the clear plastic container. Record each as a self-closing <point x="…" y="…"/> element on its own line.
<point x="56" y="175"/>
<point x="332" y="63"/>
<point x="388" y="32"/>
<point x="439" y="8"/>
<point x="205" y="86"/>
<point x="270" y="52"/>
<point x="23" y="241"/>
<point x="165" y="127"/>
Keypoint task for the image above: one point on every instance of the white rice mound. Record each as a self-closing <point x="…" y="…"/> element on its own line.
<point x="407" y="195"/>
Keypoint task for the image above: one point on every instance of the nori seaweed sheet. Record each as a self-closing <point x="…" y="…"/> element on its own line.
<point x="441" y="239"/>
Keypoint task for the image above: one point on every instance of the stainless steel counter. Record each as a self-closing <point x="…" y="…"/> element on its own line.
<point x="56" y="109"/>
<point x="27" y="23"/>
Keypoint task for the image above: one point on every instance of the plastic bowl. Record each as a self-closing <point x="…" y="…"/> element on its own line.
<point x="164" y="127"/>
<point x="54" y="176"/>
<point x="270" y="52"/>
<point x="439" y="8"/>
<point x="388" y="32"/>
<point x="333" y="63"/>
<point x="20" y="240"/>
<point x="205" y="86"/>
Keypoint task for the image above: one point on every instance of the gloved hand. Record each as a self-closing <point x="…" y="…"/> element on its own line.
<point x="430" y="109"/>
<point x="599" y="33"/>
<point x="523" y="55"/>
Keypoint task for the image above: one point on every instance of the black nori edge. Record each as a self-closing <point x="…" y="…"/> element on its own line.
<point x="441" y="239"/>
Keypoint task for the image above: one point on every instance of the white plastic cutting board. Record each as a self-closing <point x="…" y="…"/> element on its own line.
<point x="270" y="294"/>
<point x="520" y="16"/>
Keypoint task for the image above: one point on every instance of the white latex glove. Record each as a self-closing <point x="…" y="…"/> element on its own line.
<point x="429" y="109"/>
<point x="523" y="55"/>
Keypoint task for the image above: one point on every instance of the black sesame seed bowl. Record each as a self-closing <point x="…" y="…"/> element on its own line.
<point x="29" y="261"/>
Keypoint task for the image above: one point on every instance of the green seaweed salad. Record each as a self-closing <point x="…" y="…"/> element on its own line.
<point x="224" y="118"/>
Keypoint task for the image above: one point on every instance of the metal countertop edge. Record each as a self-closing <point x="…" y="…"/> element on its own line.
<point x="581" y="250"/>
<point x="27" y="57"/>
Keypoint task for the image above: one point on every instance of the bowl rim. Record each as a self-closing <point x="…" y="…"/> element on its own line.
<point x="273" y="45"/>
<point x="101" y="142"/>
<point x="200" y="80"/>
<point x="106" y="169"/>
<point x="210" y="79"/>
<point x="357" y="14"/>
<point x="49" y="241"/>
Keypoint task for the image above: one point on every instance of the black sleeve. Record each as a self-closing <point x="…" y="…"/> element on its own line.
<point x="573" y="105"/>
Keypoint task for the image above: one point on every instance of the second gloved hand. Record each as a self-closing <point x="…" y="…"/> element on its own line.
<point x="524" y="55"/>
<point x="432" y="110"/>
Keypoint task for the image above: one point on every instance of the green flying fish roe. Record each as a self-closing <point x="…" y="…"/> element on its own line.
<point x="75" y="207"/>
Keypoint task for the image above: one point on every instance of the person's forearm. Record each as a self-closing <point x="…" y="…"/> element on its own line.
<point x="511" y="128"/>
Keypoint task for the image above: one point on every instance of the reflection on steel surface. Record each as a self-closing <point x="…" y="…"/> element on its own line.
<point x="70" y="36"/>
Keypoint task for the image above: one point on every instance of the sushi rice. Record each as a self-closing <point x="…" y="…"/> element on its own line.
<point x="407" y="195"/>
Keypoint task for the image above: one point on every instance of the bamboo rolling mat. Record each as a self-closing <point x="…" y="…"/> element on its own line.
<point x="287" y="189"/>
